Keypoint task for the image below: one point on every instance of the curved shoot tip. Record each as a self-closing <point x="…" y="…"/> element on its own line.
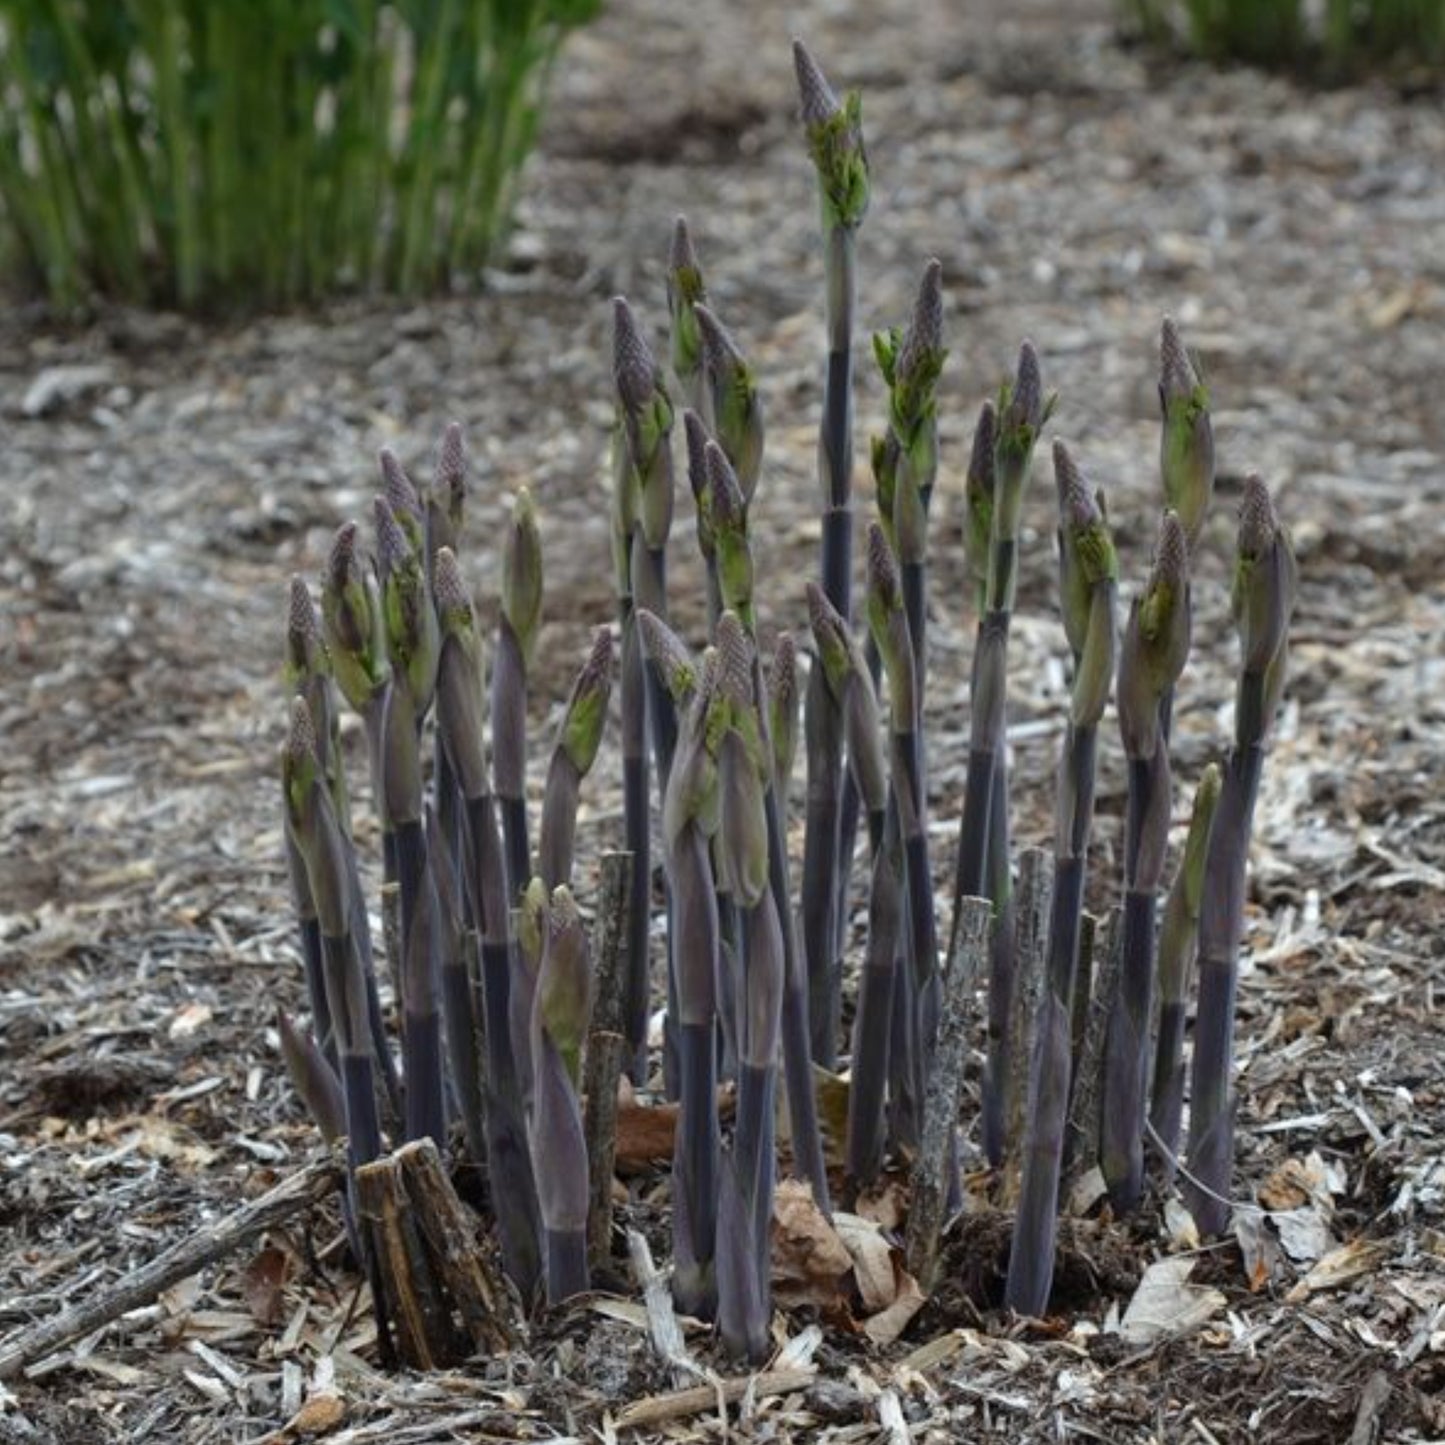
<point x="633" y="370"/>
<point x="719" y="350"/>
<point x="695" y="435"/>
<point x="725" y="493"/>
<point x="817" y="100"/>
<point x="1177" y="376"/>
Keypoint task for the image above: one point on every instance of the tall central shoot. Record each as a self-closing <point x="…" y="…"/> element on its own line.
<point x="835" y="142"/>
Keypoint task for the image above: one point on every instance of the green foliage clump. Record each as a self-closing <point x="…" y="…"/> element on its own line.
<point x="209" y="152"/>
<point x="1337" y="39"/>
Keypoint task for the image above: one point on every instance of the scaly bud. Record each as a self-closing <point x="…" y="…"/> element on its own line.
<point x="1186" y="447"/>
<point x="695" y="434"/>
<point x="412" y="640"/>
<point x="978" y="494"/>
<point x="633" y="370"/>
<point x="783" y="707"/>
<point x="351" y="618"/>
<point x="401" y="496"/>
<point x="737" y="407"/>
<point x="586" y="713"/>
<point x="830" y="637"/>
<point x="685" y="289"/>
<point x="449" y="477"/>
<point x="461" y="705"/>
<point x="522" y="573"/>
<point x="668" y="655"/>
<point x="306" y="655"/>
<point x="888" y="623"/>
<point x="644" y="413"/>
<point x="835" y="141"/>
<point x="1264" y="578"/>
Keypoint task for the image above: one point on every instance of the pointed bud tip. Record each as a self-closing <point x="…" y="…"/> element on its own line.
<point x="1076" y="501"/>
<point x="396" y="486"/>
<point x="1028" y="396"/>
<point x="633" y="368"/>
<point x="927" y="327"/>
<point x="447" y="585"/>
<point x="392" y="547"/>
<point x="727" y="496"/>
<point x="341" y="559"/>
<point x="301" y="616"/>
<point x="563" y="913"/>
<point x="450" y="471"/>
<point x="1177" y="377"/>
<point x="981" y="459"/>
<point x="819" y="103"/>
<point x="682" y="255"/>
<point x="1258" y="522"/>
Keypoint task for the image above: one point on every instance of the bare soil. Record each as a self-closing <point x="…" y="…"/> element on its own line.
<point x="1075" y="190"/>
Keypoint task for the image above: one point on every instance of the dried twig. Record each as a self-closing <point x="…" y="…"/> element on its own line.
<point x="206" y="1246"/>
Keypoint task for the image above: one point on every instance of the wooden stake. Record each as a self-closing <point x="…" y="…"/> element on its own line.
<point x="1081" y="1136"/>
<point x="1035" y="901"/>
<point x="945" y="1085"/>
<point x="606" y="1053"/>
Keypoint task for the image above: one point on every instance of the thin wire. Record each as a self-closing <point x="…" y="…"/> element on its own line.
<point x="1199" y="1184"/>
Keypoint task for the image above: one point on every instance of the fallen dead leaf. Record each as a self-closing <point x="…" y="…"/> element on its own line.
<point x="1166" y="1304"/>
<point x="810" y="1262"/>
<point x="264" y="1284"/>
<point x="872" y="1258"/>
<point x="189" y="1020"/>
<point x="886" y="1326"/>
<point x="1339" y="1266"/>
<point x="1257" y="1247"/>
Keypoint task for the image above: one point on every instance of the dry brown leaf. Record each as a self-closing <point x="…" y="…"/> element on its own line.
<point x="872" y="1258"/>
<point x="810" y="1261"/>
<point x="318" y="1416"/>
<point x="1338" y="1267"/>
<point x="885" y="1204"/>
<point x="264" y="1283"/>
<point x="1166" y="1304"/>
<point x="886" y="1326"/>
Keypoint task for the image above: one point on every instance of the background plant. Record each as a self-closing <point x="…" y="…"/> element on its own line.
<point x="1341" y="35"/>
<point x="201" y="152"/>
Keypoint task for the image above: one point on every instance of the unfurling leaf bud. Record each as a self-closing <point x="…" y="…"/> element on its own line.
<point x="728" y="514"/>
<point x="783" y="701"/>
<point x="532" y="924"/>
<point x="888" y="623"/>
<point x="306" y="655"/>
<point x="737" y="407"/>
<point x="412" y="638"/>
<point x="1086" y="551"/>
<point x="563" y="1000"/>
<point x="1186" y="447"/>
<point x="351" y="617"/>
<point x="449" y="485"/>
<point x="522" y="574"/>
<point x="1196" y="845"/>
<point x="1264" y="578"/>
<point x="1156" y="641"/>
<point x="587" y="707"/>
<point x="695" y="434"/>
<point x="460" y="701"/>
<point x="978" y="496"/>
<point x="685" y="289"/>
<point x="835" y="141"/>
<point x="401" y="496"/>
<point x="830" y="637"/>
